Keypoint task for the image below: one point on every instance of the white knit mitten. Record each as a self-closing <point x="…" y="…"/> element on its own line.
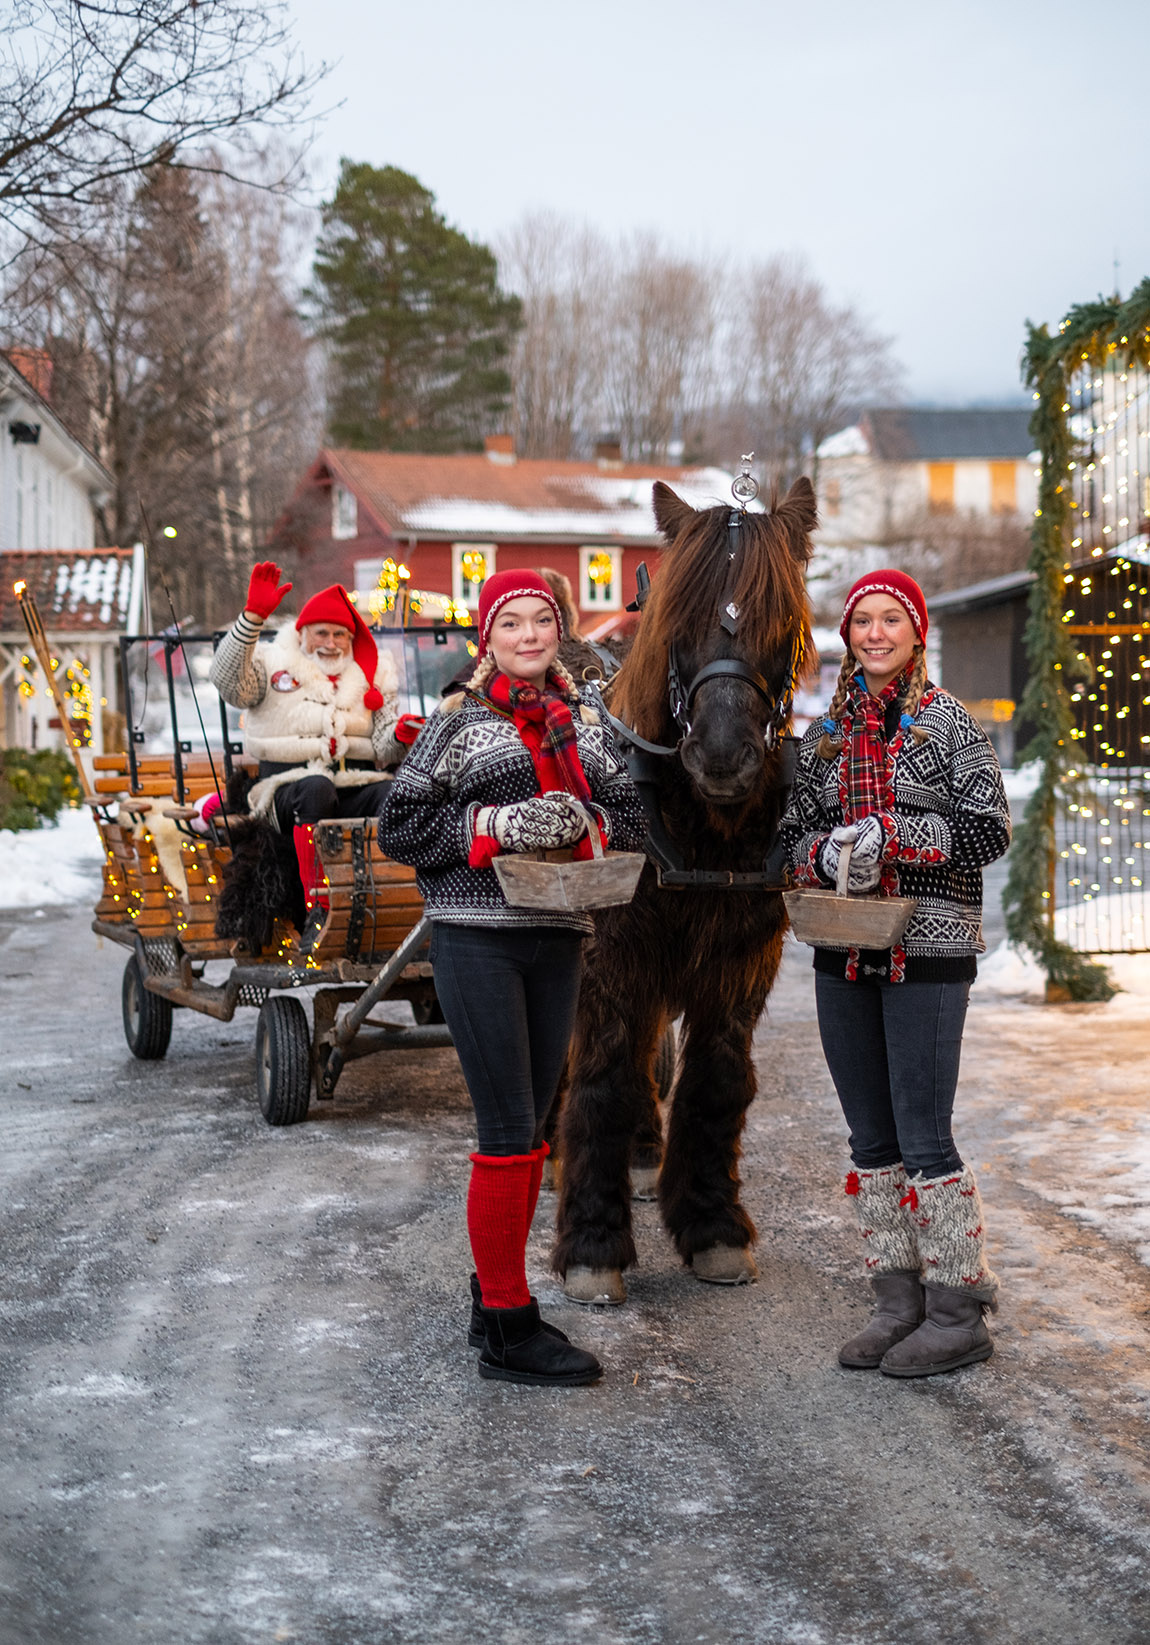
<point x="546" y="823"/>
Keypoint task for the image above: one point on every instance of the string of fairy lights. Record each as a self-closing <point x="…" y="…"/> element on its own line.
<point x="1080" y="868"/>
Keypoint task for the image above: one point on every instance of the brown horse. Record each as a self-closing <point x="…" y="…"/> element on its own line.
<point x="723" y="639"/>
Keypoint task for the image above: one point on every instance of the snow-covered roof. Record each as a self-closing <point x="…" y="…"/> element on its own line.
<point x="77" y="590"/>
<point x="474" y="497"/>
<point x="930" y="434"/>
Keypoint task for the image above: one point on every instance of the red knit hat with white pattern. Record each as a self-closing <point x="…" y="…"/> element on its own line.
<point x="900" y="587"/>
<point x="333" y="605"/>
<point x="511" y="585"/>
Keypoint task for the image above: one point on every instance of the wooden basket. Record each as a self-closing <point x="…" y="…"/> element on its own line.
<point x="552" y="880"/>
<point x="832" y="919"/>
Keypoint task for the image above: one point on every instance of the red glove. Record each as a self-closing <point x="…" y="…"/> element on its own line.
<point x="407" y="728"/>
<point x="265" y="590"/>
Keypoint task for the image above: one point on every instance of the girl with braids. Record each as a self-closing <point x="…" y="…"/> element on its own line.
<point x="494" y="770"/>
<point x="899" y="768"/>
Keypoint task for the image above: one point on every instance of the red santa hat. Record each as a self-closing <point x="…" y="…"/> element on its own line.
<point x="512" y="585"/>
<point x="900" y="587"/>
<point x="334" y="605"/>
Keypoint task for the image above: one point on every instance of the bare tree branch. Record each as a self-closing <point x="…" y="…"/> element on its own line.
<point x="91" y="93"/>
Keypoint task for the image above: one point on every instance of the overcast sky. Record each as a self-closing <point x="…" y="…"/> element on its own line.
<point x="952" y="169"/>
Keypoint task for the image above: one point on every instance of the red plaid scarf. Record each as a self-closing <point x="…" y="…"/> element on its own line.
<point x="543" y="721"/>
<point x="866" y="780"/>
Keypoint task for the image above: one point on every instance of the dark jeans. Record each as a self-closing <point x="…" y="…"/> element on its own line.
<point x="312" y="799"/>
<point x="509" y="998"/>
<point x="893" y="1052"/>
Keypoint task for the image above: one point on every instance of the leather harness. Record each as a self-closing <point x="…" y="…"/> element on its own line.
<point x="642" y="756"/>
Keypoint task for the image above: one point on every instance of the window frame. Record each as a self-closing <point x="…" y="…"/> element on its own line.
<point x="590" y="593"/>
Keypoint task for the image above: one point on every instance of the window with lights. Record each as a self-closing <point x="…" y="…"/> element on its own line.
<point x="601" y="579"/>
<point x="471" y="565"/>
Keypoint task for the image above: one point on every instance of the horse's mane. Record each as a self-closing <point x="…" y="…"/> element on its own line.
<point x="683" y="604"/>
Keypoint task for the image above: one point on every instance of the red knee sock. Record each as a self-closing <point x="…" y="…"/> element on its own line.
<point x="312" y="876"/>
<point x="536" y="1157"/>
<point x="497" y="1200"/>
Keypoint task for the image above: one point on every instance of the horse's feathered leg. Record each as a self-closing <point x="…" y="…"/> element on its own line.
<point x="699" y="1184"/>
<point x="610" y="1091"/>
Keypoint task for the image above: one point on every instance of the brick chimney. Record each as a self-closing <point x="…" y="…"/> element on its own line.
<point x="35" y="366"/>
<point x="500" y="448"/>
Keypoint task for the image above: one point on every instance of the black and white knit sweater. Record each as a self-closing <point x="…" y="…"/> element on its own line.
<point x="468" y="755"/>
<point x="949" y="802"/>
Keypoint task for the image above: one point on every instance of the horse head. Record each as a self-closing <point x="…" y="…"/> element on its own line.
<point x="724" y="639"/>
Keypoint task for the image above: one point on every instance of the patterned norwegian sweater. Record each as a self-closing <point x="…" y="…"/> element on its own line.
<point x="950" y="806"/>
<point x="468" y="755"/>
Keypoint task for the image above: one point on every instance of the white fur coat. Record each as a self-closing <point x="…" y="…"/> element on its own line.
<point x="295" y="716"/>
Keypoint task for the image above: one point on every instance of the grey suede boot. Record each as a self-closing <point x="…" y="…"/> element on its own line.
<point x="899" y="1312"/>
<point x="952" y="1334"/>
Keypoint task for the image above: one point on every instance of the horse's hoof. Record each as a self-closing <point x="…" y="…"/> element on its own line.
<point x="552" y="1174"/>
<point x="724" y="1265"/>
<point x="644" y="1182"/>
<point x="601" y="1287"/>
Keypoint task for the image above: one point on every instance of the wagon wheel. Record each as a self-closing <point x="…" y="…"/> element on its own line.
<point x="147" y="1017"/>
<point x="427" y="1010"/>
<point x="283" y="1061"/>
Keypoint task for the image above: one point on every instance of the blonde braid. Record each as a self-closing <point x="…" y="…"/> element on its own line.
<point x="829" y="744"/>
<point x="567" y="679"/>
<point x="914" y="693"/>
<point x="484" y="669"/>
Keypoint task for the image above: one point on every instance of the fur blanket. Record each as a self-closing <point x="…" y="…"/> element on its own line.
<point x="261" y="882"/>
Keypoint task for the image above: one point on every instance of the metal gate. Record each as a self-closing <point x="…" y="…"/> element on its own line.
<point x="1102" y="844"/>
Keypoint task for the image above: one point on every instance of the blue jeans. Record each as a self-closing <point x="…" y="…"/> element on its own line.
<point x="893" y="1051"/>
<point x="509" y="998"/>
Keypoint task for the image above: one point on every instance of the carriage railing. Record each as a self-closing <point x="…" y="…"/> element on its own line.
<point x="171" y="671"/>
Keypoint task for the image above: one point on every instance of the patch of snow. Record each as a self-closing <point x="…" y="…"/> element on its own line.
<point x="610" y="507"/>
<point x="40" y="866"/>
<point x="1020" y="784"/>
<point x="848" y="442"/>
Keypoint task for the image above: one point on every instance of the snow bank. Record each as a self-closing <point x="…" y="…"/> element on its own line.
<point x="39" y="866"/>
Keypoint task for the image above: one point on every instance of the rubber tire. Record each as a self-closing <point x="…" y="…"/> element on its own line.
<point x="147" y="1017"/>
<point x="283" y="1061"/>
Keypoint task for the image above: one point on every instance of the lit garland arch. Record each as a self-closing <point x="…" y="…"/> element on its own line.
<point x="1100" y="336"/>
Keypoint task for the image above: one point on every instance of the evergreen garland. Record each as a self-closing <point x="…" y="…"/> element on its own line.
<point x="1104" y="333"/>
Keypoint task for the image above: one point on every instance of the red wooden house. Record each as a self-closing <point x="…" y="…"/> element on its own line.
<point x="453" y="520"/>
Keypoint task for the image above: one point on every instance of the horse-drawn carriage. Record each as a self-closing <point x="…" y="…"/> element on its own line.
<point x="163" y="878"/>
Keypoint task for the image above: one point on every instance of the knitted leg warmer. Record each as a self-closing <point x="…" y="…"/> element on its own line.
<point x="497" y="1200"/>
<point x="888" y="1234"/>
<point x="947" y="1216"/>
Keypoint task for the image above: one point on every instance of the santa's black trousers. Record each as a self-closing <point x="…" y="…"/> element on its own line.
<point x="508" y="995"/>
<point x="312" y="799"/>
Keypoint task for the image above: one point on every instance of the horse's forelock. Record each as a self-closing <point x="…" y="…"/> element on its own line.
<point x="770" y="593"/>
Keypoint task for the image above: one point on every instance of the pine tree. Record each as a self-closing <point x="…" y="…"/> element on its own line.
<point x="418" y="328"/>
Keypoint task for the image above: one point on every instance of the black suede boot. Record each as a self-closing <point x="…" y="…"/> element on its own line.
<point x="517" y="1348"/>
<point x="475" y="1325"/>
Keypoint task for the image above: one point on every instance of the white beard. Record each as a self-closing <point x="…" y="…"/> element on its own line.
<point x="333" y="667"/>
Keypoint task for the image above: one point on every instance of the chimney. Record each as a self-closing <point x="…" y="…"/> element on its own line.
<point x="35" y="366"/>
<point x="500" y="448"/>
<point x="609" y="451"/>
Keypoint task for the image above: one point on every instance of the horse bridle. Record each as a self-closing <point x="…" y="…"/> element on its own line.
<point x="639" y="753"/>
<point x="681" y="696"/>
